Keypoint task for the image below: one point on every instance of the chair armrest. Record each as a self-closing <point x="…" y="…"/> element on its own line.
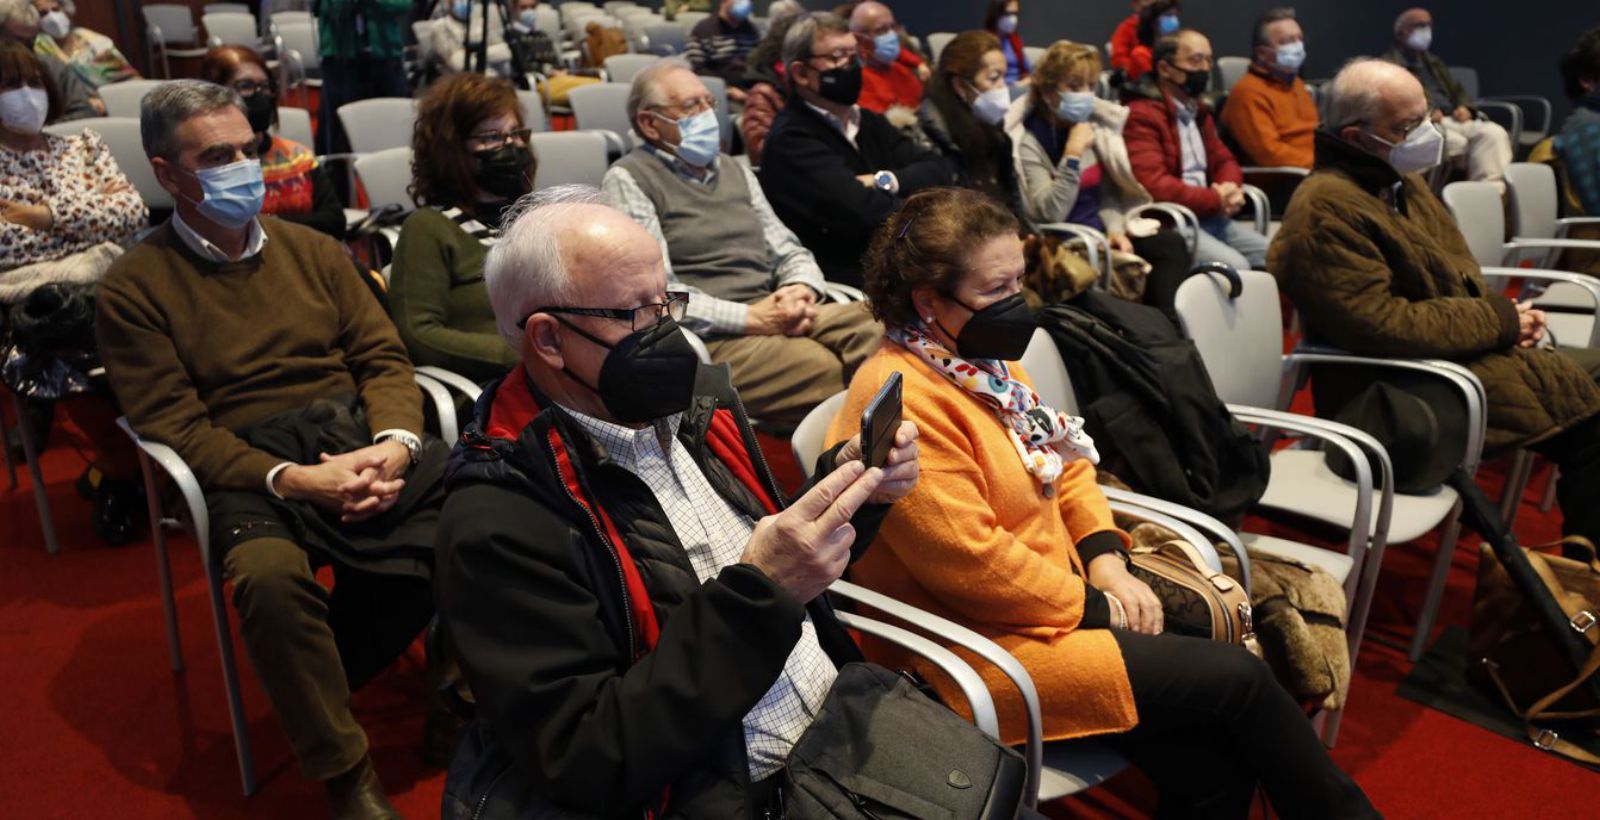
<point x="1261" y="207"/>
<point x="1097" y="243"/>
<point x="971" y="685"/>
<point x="1567" y="223"/>
<point x="1512" y="110"/>
<point x="1524" y="102"/>
<point x="1461" y="378"/>
<point x="183" y="478"/>
<point x="443" y="405"/>
<point x="978" y="645"/>
<point x="450" y="378"/>
<point x="1211" y="528"/>
<point x="836" y="292"/>
<point x="1514" y="249"/>
<point x="1184" y="531"/>
<point x="1588" y="284"/>
<point x="1181" y="216"/>
<point x="1284" y="170"/>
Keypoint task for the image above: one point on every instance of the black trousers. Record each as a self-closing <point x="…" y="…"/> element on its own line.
<point x="1577" y="452"/>
<point x="1214" y="723"/>
<point x="1168" y="255"/>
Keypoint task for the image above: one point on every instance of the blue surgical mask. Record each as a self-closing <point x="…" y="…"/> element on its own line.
<point x="699" y="139"/>
<point x="1290" y="56"/>
<point x="529" y="18"/>
<point x="886" y="47"/>
<point x="1075" y="106"/>
<point x="461" y="10"/>
<point x="1007" y="24"/>
<point x="740" y="11"/>
<point x="232" y="193"/>
<point x="1168" y="24"/>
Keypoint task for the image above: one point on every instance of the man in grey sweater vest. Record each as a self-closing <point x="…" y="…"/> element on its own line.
<point x="754" y="289"/>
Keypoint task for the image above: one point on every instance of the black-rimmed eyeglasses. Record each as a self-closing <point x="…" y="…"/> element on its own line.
<point x="675" y="307"/>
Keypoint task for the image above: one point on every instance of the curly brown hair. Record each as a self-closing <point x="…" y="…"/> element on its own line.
<point x="925" y="244"/>
<point x="441" y="166"/>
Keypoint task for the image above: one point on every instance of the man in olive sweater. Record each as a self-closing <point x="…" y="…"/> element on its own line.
<point x="251" y="346"/>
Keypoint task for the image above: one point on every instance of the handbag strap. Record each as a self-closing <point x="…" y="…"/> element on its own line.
<point x="1583" y="545"/>
<point x="1548" y="739"/>
<point x="1194" y="558"/>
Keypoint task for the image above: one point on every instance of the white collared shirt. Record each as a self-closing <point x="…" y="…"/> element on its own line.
<point x="200" y="245"/>
<point x="1192" y="144"/>
<point x="714" y="534"/>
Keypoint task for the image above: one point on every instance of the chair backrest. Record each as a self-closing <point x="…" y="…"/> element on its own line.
<point x="690" y="19"/>
<point x="227" y="8"/>
<point x="628" y="14"/>
<point x="175" y="21"/>
<point x="1240" y="339"/>
<point x="123" y="99"/>
<point x="121" y="135"/>
<point x="813" y="431"/>
<point x="378" y="123"/>
<point x="1048" y="371"/>
<point x="1231" y="69"/>
<point x="1481" y="216"/>
<point x="719" y="92"/>
<point x="1468" y="77"/>
<point x="1535" y="199"/>
<point x="622" y="68"/>
<point x="292" y="18"/>
<point x="578" y="26"/>
<point x="936" y="43"/>
<point x="569" y="9"/>
<point x="385" y="175"/>
<point x="567" y="157"/>
<point x="294" y="124"/>
<point x="533" y="116"/>
<point x="614" y="6"/>
<point x="666" y="38"/>
<point x="302" y="38"/>
<point x="602" y="107"/>
<point x="422" y="30"/>
<point x="1034" y="54"/>
<point x="548" y="20"/>
<point x="230" y="29"/>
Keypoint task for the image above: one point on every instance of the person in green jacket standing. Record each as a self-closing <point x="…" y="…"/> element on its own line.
<point x="361" y="45"/>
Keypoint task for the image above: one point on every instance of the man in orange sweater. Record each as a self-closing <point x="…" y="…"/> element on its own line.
<point x="1269" y="111"/>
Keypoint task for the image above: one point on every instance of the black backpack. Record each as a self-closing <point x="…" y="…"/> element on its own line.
<point x="1148" y="401"/>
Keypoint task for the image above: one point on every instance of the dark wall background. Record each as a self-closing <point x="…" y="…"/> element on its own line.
<point x="1514" y="44"/>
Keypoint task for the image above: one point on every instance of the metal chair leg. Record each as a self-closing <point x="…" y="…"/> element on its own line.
<point x="1516" y="484"/>
<point x="158" y="534"/>
<point x="230" y="678"/>
<point x="1441" y="569"/>
<point x="1549" y="499"/>
<point x="41" y="495"/>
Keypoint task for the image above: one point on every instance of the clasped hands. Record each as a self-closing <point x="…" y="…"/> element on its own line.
<point x="358" y="485"/>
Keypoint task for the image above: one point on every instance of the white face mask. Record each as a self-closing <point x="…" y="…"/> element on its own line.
<point x="1420" y="38"/>
<point x="991" y="105"/>
<point x="56" y="24"/>
<point x="1422" y="149"/>
<point x="23" y="109"/>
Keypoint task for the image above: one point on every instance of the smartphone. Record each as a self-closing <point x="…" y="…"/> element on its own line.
<point x="879" y="423"/>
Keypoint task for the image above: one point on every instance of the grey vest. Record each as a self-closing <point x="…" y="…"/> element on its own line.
<point x="714" y="237"/>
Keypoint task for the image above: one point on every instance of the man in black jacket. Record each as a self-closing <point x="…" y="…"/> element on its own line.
<point x="639" y="617"/>
<point x="833" y="170"/>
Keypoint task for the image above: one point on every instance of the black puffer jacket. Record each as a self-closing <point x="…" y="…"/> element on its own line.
<point x="553" y="562"/>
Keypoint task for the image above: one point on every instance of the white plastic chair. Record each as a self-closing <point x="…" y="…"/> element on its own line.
<point x="123" y="99"/>
<point x="570" y="9"/>
<point x="167" y="26"/>
<point x="378" y="123"/>
<point x="230" y="29"/>
<point x="622" y="68"/>
<point x="1524" y="105"/>
<point x="301" y="58"/>
<point x="666" y="38"/>
<point x="1034" y="54"/>
<point x="1231" y="69"/>
<point x="533" y="116"/>
<point x="121" y="135"/>
<point x="30" y="452"/>
<point x="567" y="157"/>
<point x="936" y="43"/>
<point x="294" y="124"/>
<point x="226" y="8"/>
<point x="385" y="175"/>
<point x="154" y="454"/>
<point x="689" y="19"/>
<point x="603" y="108"/>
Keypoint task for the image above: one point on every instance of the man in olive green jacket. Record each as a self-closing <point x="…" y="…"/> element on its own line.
<point x="1376" y="266"/>
<point x="1483" y="146"/>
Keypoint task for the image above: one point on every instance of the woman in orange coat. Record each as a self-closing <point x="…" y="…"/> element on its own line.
<point x="1007" y="533"/>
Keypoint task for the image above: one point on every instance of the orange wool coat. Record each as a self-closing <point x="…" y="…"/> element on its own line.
<point x="978" y="542"/>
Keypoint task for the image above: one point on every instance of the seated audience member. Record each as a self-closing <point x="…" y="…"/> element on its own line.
<point x="1178" y="157"/>
<point x="66" y="211"/>
<point x="251" y="346"/>
<point x="764" y="77"/>
<point x="1484" y="146"/>
<point x="832" y="169"/>
<point x="1125" y="37"/>
<point x="297" y="187"/>
<point x="94" y="56"/>
<point x="962" y="116"/>
<point x="19" y="23"/>
<point x="1578" y="144"/>
<point x="1152" y="20"/>
<point x="1375" y="265"/>
<point x="470" y="161"/>
<point x="1073" y="166"/>
<point x="1007" y="533"/>
<point x="679" y="676"/>
<point x="720" y="44"/>
<point x="886" y="82"/>
<point x="538" y="53"/>
<point x="1270" y="112"/>
<point x="458" y="30"/>
<point x="1002" y="19"/>
<point x="753" y="289"/>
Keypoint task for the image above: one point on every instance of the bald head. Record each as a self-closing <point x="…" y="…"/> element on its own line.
<point x="869" y="17"/>
<point x="1410" y="19"/>
<point x="1368" y="91"/>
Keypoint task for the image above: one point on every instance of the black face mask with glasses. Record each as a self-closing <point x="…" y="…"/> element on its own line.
<point x="648" y="374"/>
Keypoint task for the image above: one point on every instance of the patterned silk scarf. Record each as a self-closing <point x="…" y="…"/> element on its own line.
<point x="1045" y="438"/>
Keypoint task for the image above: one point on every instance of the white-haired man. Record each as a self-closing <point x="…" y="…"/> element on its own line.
<point x="253" y="348"/>
<point x="1376" y="266"/>
<point x="754" y="289"/>
<point x="1483" y="146"/>
<point x="636" y="610"/>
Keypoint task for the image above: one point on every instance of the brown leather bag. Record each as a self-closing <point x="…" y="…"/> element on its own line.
<point x="601" y="42"/>
<point x="1512" y="652"/>
<point x="1195" y="599"/>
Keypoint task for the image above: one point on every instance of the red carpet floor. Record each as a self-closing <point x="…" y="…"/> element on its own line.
<point x="94" y="723"/>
